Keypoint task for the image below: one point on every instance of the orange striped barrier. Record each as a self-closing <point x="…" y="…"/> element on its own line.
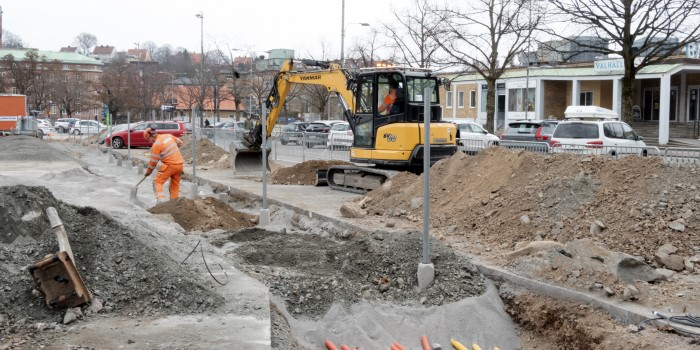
<point x="425" y="343"/>
<point x="457" y="345"/>
<point x="398" y="346"/>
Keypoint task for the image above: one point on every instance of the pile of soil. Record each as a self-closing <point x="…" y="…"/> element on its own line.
<point x="204" y="214"/>
<point x="311" y="272"/>
<point x="494" y="203"/>
<point x="208" y="153"/>
<point x="128" y="276"/>
<point x="302" y="173"/>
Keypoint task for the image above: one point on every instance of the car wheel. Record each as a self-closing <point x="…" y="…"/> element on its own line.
<point x="117" y="142"/>
<point x="59" y="129"/>
<point x="40" y="134"/>
<point x="645" y="152"/>
<point x="76" y="132"/>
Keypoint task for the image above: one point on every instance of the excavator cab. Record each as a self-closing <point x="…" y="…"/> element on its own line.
<point x="392" y="135"/>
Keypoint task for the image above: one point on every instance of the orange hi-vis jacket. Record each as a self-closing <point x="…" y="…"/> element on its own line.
<point x="167" y="150"/>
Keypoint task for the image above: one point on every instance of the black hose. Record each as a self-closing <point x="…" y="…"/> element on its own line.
<point x="686" y="320"/>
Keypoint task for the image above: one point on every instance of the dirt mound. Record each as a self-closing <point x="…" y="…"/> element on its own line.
<point x="204" y="214"/>
<point x="500" y="198"/>
<point x="128" y="276"/>
<point x="207" y="153"/>
<point x="311" y="272"/>
<point x="302" y="173"/>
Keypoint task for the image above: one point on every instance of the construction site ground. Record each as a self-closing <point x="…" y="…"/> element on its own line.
<point x="530" y="251"/>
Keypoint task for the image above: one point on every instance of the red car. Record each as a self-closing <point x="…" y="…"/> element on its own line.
<point x="120" y="139"/>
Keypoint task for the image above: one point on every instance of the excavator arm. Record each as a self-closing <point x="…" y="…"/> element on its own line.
<point x="334" y="79"/>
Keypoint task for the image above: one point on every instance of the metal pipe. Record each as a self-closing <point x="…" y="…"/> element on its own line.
<point x="60" y="231"/>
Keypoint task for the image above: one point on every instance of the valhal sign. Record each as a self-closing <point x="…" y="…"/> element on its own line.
<point x="611" y="64"/>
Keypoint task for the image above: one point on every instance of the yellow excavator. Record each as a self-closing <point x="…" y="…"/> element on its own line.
<point x="386" y="139"/>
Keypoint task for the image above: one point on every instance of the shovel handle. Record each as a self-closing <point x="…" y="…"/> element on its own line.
<point x="144" y="178"/>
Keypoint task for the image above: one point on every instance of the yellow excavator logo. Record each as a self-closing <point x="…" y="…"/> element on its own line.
<point x="390" y="137"/>
<point x="310" y="77"/>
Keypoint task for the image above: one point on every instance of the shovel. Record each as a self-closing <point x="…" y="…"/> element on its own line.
<point x="134" y="191"/>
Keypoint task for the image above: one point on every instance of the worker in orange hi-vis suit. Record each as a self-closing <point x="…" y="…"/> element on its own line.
<point x="166" y="149"/>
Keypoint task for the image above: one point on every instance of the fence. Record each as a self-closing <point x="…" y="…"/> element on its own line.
<point x="297" y="147"/>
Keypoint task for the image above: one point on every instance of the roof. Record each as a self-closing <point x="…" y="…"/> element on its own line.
<point x="63" y="57"/>
<point x="103" y="50"/>
<point x="567" y="72"/>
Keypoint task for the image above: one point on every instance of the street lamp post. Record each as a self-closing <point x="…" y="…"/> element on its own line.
<point x="200" y="15"/>
<point x="342" y="35"/>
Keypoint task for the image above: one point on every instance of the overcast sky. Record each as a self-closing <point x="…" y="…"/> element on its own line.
<point x="251" y="25"/>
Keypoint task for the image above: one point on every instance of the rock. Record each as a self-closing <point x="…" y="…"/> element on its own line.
<point x="666" y="249"/>
<point x="534" y="247"/>
<point x="69" y="317"/>
<point x="609" y="291"/>
<point x="600" y="224"/>
<point x="416" y="203"/>
<point x="630" y="293"/>
<point x="671" y="262"/>
<point x="595" y="229"/>
<point x="96" y="305"/>
<point x="390" y="224"/>
<point x="630" y="268"/>
<point x="633" y="329"/>
<point x="665" y="274"/>
<point x="525" y="219"/>
<point x="353" y="211"/>
<point x="689" y="265"/>
<point x="676" y="225"/>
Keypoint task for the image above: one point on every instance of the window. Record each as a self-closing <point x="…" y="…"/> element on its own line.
<point x="484" y="93"/>
<point x="448" y="98"/>
<point x="586" y="98"/>
<point x="460" y="99"/>
<point x="472" y="99"/>
<point x="14" y="90"/>
<point x="365" y="100"/>
<point x="416" y="86"/>
<point x="521" y="100"/>
<point x="628" y="132"/>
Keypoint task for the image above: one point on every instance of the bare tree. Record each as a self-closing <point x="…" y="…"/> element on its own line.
<point x="648" y="30"/>
<point x="234" y="90"/>
<point x="486" y="37"/>
<point x="85" y="42"/>
<point x="366" y="52"/>
<point x="11" y="40"/>
<point x="22" y="70"/>
<point x="113" y="88"/>
<point x="72" y="94"/>
<point x="415" y="33"/>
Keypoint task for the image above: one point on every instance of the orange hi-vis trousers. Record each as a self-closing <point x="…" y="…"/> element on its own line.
<point x="172" y="172"/>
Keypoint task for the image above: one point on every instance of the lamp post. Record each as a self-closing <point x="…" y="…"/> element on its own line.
<point x="342" y="36"/>
<point x="200" y="15"/>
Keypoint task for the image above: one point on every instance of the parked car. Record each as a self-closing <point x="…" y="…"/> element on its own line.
<point x="546" y="129"/>
<point x="86" y="127"/>
<point x="471" y="137"/>
<point x="108" y="131"/>
<point x="340" y="136"/>
<point x="316" y="133"/>
<point x="63" y="124"/>
<point x="593" y="134"/>
<point x="523" y="134"/>
<point x="119" y="139"/>
<point x="293" y="132"/>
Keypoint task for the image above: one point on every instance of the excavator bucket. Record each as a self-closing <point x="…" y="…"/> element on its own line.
<point x="245" y="160"/>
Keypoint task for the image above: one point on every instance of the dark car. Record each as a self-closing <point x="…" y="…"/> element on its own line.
<point x="316" y="133"/>
<point x="293" y="132"/>
<point x="532" y="135"/>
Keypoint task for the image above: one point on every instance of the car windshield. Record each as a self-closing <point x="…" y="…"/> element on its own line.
<point x="522" y="128"/>
<point x="288" y="128"/>
<point x="576" y="131"/>
<point x="340" y="127"/>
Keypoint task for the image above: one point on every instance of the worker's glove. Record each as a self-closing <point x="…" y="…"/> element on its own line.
<point x="148" y="172"/>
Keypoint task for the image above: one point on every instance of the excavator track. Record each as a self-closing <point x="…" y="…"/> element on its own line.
<point x="357" y="179"/>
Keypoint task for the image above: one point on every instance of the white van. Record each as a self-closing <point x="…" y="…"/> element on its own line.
<point x="592" y="130"/>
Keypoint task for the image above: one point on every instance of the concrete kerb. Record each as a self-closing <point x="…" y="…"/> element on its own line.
<point x="627" y="313"/>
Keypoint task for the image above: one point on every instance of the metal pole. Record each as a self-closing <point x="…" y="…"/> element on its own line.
<point x="426" y="176"/>
<point x="264" y="155"/>
<point x="128" y="135"/>
<point x="342" y="38"/>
